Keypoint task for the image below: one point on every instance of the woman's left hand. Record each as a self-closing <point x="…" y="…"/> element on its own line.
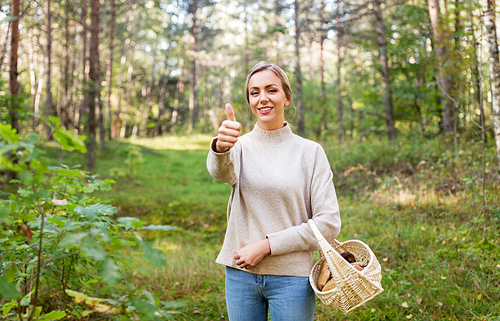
<point x="251" y="254"/>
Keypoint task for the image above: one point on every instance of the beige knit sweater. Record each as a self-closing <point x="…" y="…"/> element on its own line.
<point x="279" y="181"/>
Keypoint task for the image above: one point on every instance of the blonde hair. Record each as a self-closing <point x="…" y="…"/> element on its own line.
<point x="264" y="65"/>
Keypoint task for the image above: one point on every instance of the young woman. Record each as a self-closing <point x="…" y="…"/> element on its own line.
<point x="279" y="181"/>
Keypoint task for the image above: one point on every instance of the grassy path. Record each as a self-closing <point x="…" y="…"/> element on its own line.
<point x="435" y="266"/>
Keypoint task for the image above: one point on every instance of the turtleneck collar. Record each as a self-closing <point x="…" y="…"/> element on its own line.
<point x="272" y="137"/>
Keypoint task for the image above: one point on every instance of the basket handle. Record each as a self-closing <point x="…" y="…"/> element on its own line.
<point x="327" y="248"/>
<point x="323" y="243"/>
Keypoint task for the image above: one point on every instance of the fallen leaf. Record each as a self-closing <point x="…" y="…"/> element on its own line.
<point x="409" y="316"/>
<point x="373" y="310"/>
<point x="102" y="308"/>
<point x="423" y="228"/>
<point x="443" y="277"/>
<point x="197" y="311"/>
<point x="385" y="259"/>
<point x="440" y="304"/>
<point x="434" y="316"/>
<point x="479" y="296"/>
<point x="404" y="304"/>
<point x="59" y="202"/>
<point x="419" y="300"/>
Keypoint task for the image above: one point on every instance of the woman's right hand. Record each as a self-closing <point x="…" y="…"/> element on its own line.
<point x="229" y="131"/>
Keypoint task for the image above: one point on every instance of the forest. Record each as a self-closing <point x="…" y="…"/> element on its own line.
<point x="107" y="110"/>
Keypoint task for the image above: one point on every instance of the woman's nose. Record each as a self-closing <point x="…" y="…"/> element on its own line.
<point x="263" y="97"/>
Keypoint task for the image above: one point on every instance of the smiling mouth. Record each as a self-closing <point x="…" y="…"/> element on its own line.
<point x="267" y="108"/>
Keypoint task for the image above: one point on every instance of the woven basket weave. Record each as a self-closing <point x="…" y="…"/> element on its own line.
<point x="352" y="287"/>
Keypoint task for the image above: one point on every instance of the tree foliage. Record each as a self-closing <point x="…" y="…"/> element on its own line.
<point x="152" y="83"/>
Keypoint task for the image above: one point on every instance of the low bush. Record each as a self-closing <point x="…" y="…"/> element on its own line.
<point x="62" y="250"/>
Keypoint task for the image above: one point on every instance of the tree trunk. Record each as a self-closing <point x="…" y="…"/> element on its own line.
<point x="109" y="71"/>
<point x="340" y="107"/>
<point x="14" y="45"/>
<point x="440" y="38"/>
<point x="102" y="129"/>
<point x="123" y="61"/>
<point x="246" y="67"/>
<point x="65" y="119"/>
<point x="94" y="84"/>
<point x="491" y="35"/>
<point x="49" y="105"/>
<point x="85" y="76"/>
<point x="33" y="56"/>
<point x="476" y="81"/>
<point x="193" y="95"/>
<point x="298" y="74"/>
<point x="324" y="107"/>
<point x="386" y="79"/>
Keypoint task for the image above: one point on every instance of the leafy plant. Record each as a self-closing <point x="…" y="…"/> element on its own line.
<point x="60" y="242"/>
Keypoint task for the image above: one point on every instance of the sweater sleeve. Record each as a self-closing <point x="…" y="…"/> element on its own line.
<point x="220" y="165"/>
<point x="324" y="212"/>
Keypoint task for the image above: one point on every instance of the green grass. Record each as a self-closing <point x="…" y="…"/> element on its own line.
<point x="417" y="206"/>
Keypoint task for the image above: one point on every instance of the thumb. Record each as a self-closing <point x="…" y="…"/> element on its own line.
<point x="230" y="112"/>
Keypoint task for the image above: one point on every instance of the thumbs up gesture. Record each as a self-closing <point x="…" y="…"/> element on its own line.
<point x="229" y="131"/>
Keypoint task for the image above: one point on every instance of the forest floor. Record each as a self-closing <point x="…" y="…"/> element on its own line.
<point x="418" y="206"/>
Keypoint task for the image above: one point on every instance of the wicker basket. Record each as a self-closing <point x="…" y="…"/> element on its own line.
<point x="352" y="287"/>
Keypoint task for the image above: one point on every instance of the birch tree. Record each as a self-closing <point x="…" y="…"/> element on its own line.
<point x="494" y="63"/>
<point x="193" y="95"/>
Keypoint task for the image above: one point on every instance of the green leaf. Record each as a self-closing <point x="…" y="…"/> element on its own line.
<point x="55" y="121"/>
<point x="154" y="256"/>
<point x="97" y="251"/>
<point x="7" y="307"/>
<point x="56" y="221"/>
<point x="62" y="171"/>
<point x="26" y="177"/>
<point x="110" y="272"/>
<point x="4" y="215"/>
<point x="54" y="315"/>
<point x="10" y="18"/>
<point x="8" y="133"/>
<point x="69" y="140"/>
<point x="27" y="299"/>
<point x="72" y="239"/>
<point x="8" y="290"/>
<point x="94" y="210"/>
<point x="130" y="222"/>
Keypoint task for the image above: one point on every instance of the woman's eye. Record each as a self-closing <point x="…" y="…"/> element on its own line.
<point x="272" y="90"/>
<point x="253" y="93"/>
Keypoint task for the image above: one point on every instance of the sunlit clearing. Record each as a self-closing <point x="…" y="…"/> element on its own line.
<point x="406" y="197"/>
<point x="192" y="142"/>
<point x="167" y="246"/>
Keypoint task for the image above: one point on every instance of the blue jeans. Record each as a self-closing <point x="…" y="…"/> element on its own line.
<point x="250" y="296"/>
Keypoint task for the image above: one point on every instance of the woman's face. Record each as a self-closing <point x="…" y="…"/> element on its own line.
<point x="267" y="99"/>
